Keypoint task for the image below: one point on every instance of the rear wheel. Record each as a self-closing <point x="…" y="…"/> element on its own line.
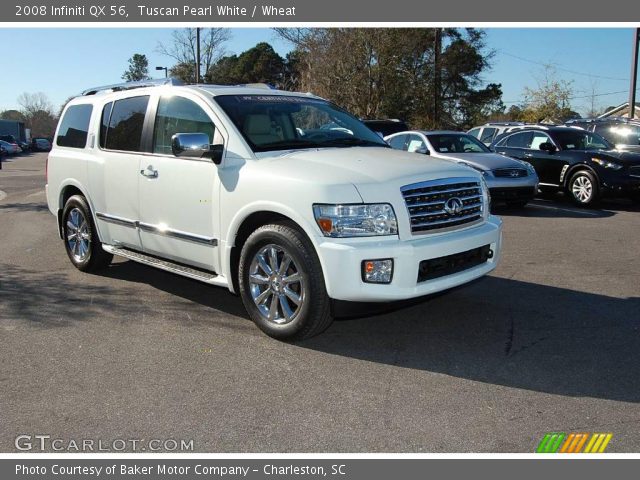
<point x="583" y="188"/>
<point x="281" y="283"/>
<point x="80" y="237"/>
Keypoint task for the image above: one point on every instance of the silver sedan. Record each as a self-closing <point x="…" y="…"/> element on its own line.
<point x="510" y="181"/>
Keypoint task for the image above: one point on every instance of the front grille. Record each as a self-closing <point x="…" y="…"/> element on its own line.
<point x="440" y="204"/>
<point x="458" y="262"/>
<point x="510" y="172"/>
<point x="634" y="171"/>
<point x="512" y="193"/>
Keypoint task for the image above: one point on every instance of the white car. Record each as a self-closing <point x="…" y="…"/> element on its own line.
<point x="510" y="181"/>
<point x="242" y="187"/>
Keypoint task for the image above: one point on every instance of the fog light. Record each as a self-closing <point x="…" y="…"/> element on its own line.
<point x="377" y="271"/>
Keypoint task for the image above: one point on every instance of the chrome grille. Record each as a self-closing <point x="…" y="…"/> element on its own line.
<point x="634" y="171"/>
<point x="443" y="204"/>
<point x="510" y="172"/>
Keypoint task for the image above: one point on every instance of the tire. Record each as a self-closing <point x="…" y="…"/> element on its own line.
<point x="81" y="238"/>
<point x="269" y="298"/>
<point x="583" y="188"/>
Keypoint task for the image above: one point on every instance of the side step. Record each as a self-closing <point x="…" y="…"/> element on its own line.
<point x="169" y="266"/>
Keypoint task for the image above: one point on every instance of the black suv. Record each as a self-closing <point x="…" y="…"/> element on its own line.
<point x="576" y="161"/>
<point x="624" y="133"/>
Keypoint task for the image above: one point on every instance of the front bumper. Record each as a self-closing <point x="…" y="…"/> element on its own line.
<point x="342" y="262"/>
<point x="512" y="189"/>
<point x="620" y="185"/>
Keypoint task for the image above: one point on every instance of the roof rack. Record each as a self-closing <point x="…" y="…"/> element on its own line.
<point x="602" y="120"/>
<point x="118" y="87"/>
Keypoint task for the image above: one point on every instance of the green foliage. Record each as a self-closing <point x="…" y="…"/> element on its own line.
<point x="260" y="64"/>
<point x="549" y="101"/>
<point x="138" y="68"/>
<point x="390" y="73"/>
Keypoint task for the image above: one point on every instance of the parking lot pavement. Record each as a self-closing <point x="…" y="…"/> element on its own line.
<point x="549" y="342"/>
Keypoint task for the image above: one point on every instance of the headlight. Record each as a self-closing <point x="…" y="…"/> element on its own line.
<point x="356" y="220"/>
<point x="477" y="169"/>
<point x="607" y="163"/>
<point x="529" y="167"/>
<point x="487" y="198"/>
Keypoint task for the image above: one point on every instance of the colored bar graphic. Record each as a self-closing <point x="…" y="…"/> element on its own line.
<point x="557" y="442"/>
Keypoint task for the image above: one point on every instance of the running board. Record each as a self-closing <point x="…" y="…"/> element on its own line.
<point x="169" y="266"/>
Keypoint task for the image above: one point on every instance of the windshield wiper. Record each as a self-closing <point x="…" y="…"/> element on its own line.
<point x="289" y="144"/>
<point x="352" y="141"/>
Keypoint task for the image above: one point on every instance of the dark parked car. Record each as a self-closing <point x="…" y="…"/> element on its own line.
<point x="624" y="133"/>
<point x="576" y="161"/>
<point x="384" y="128"/>
<point x="40" y="145"/>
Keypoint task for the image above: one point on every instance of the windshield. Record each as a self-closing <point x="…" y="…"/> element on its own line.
<point x="279" y="122"/>
<point x="580" y="140"/>
<point x="456" y="143"/>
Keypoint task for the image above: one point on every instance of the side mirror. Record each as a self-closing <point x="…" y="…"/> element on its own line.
<point x="196" y="145"/>
<point x="422" y="150"/>
<point x="547" y="147"/>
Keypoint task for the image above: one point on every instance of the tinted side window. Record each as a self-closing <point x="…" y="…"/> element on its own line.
<point x="620" y="134"/>
<point x="74" y="126"/>
<point x="519" y="140"/>
<point x="179" y="115"/>
<point x="125" y="125"/>
<point x="398" y="142"/>
<point x="538" y="139"/>
<point x="104" y="123"/>
<point x="415" y="143"/>
<point x="487" y="135"/>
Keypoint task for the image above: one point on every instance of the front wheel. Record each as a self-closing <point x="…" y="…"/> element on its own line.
<point x="281" y="283"/>
<point x="80" y="237"/>
<point x="583" y="188"/>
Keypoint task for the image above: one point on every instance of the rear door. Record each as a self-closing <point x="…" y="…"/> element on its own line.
<point x="114" y="170"/>
<point x="548" y="165"/>
<point x="179" y="195"/>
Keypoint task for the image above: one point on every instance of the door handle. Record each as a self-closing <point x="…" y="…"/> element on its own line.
<point x="528" y="155"/>
<point x="149" y="172"/>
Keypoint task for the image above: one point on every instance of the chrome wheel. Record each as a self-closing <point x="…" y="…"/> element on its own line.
<point x="78" y="236"/>
<point x="582" y="188"/>
<point x="276" y="285"/>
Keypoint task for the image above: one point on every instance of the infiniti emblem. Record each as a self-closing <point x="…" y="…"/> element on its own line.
<point x="514" y="173"/>
<point x="453" y="206"/>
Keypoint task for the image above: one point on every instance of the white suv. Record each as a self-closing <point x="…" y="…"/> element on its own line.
<point x="282" y="197"/>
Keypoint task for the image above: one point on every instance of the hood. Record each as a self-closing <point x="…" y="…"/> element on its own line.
<point x="483" y="161"/>
<point x="625" y="157"/>
<point x="359" y="166"/>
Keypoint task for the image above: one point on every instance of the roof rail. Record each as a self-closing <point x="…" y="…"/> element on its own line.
<point x="117" y="87"/>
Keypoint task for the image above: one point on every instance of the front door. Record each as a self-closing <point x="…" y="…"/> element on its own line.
<point x="179" y="195"/>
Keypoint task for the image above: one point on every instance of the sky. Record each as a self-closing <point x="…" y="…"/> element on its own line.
<point x="64" y="61"/>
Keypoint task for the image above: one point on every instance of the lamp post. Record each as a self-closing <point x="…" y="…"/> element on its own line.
<point x="166" y="74"/>
<point x="634" y="74"/>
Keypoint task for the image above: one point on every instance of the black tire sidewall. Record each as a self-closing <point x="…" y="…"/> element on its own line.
<point x="80" y="203"/>
<point x="595" y="190"/>
<point x="305" y="258"/>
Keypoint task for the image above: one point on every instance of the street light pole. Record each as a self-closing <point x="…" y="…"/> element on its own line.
<point x="197" y="55"/>
<point x="634" y="74"/>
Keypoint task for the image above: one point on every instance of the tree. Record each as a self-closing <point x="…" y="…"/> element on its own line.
<point x="12" y="115"/>
<point x="182" y="47"/>
<point x="260" y="64"/>
<point x="186" y="72"/>
<point x="389" y="73"/>
<point x="138" y="68"/>
<point x="550" y="100"/>
<point x="38" y="114"/>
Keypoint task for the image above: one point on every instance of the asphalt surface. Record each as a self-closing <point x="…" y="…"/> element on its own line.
<point x="548" y="342"/>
